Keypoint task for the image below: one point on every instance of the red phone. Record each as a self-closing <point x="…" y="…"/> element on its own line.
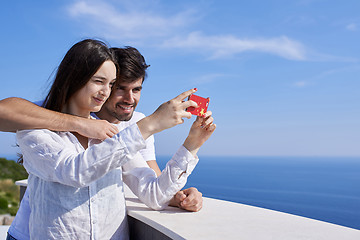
<point x="203" y="104"/>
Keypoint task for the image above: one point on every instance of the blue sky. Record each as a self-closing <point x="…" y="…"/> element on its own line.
<point x="282" y="76"/>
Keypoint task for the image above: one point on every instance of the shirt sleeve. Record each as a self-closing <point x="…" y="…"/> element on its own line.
<point x="156" y="192"/>
<point x="148" y="153"/>
<point x="49" y="157"/>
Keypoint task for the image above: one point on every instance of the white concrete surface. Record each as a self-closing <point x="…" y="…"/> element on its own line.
<point x="22" y="183"/>
<point x="3" y="231"/>
<point x="227" y="220"/>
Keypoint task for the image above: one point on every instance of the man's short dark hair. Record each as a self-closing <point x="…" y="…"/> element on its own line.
<point x="131" y="64"/>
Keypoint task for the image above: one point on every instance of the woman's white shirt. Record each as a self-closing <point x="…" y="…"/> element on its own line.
<point x="76" y="193"/>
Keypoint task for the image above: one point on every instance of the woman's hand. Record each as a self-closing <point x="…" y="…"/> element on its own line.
<point x="168" y="115"/>
<point x="200" y="132"/>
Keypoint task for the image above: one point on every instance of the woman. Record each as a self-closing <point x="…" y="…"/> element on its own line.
<point x="75" y="187"/>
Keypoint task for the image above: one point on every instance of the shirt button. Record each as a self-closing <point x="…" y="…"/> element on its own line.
<point x="93" y="200"/>
<point x="94" y="221"/>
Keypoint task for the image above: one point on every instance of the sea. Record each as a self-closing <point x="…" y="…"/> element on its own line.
<point x="322" y="188"/>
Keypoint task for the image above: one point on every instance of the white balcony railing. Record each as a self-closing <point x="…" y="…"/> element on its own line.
<point x="225" y="220"/>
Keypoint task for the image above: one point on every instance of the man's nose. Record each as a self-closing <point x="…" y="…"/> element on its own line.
<point x="128" y="97"/>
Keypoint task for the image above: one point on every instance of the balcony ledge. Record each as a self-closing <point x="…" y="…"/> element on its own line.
<point x="228" y="220"/>
<point x="224" y="220"/>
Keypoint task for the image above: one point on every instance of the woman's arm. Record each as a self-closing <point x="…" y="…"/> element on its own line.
<point x="156" y="192"/>
<point x="169" y="114"/>
<point x="19" y="114"/>
<point x="48" y="156"/>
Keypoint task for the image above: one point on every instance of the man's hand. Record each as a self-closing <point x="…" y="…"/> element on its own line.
<point x="188" y="199"/>
<point x="168" y="115"/>
<point x="19" y="114"/>
<point x="97" y="129"/>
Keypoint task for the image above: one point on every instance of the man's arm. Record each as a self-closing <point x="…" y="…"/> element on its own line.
<point x="153" y="164"/>
<point x="156" y="192"/>
<point x="20" y="114"/>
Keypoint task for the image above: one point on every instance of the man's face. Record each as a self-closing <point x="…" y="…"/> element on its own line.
<point x="123" y="100"/>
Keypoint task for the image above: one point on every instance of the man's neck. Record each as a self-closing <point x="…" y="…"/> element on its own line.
<point x="107" y="117"/>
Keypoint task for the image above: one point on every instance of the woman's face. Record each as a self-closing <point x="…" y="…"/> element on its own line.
<point x="93" y="95"/>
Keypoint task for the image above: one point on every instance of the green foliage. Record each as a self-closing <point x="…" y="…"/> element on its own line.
<point x="12" y="170"/>
<point x="13" y="210"/>
<point x="3" y="203"/>
<point x="9" y="192"/>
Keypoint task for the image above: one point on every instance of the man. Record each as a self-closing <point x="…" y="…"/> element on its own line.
<point x="18" y="114"/>
<point x="120" y="109"/>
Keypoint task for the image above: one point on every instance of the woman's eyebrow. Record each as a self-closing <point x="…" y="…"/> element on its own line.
<point x="98" y="77"/>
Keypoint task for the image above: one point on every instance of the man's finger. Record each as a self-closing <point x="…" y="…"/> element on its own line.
<point x="115" y="130"/>
<point x="186" y="94"/>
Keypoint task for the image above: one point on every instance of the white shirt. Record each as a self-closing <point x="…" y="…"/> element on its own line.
<point x="19" y="228"/>
<point x="147" y="153"/>
<point x="78" y="194"/>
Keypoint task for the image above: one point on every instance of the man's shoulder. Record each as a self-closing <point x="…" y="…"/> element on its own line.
<point x="137" y="116"/>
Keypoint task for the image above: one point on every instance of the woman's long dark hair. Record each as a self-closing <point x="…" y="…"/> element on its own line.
<point x="80" y="63"/>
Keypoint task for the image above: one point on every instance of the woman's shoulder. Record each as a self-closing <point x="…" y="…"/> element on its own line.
<point x="37" y="134"/>
<point x="35" y="131"/>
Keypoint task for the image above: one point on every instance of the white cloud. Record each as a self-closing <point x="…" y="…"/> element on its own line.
<point x="224" y="46"/>
<point x="329" y="74"/>
<point x="123" y="22"/>
<point x="131" y="24"/>
<point x="301" y="84"/>
<point x="208" y="78"/>
<point x="352" y="27"/>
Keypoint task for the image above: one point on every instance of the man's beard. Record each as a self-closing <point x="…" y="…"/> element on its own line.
<point x="123" y="116"/>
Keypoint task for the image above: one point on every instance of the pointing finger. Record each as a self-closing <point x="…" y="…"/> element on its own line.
<point x="186" y="94"/>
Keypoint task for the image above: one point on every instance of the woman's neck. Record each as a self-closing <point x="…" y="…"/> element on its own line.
<point x="73" y="110"/>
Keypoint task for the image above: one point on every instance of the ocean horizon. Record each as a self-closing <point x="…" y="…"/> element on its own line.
<point x="321" y="188"/>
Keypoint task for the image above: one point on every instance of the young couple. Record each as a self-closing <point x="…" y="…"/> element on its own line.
<point x="75" y="184"/>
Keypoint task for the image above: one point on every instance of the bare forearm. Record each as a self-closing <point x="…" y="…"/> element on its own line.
<point x="168" y="114"/>
<point x="19" y="114"/>
<point x="153" y="164"/>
